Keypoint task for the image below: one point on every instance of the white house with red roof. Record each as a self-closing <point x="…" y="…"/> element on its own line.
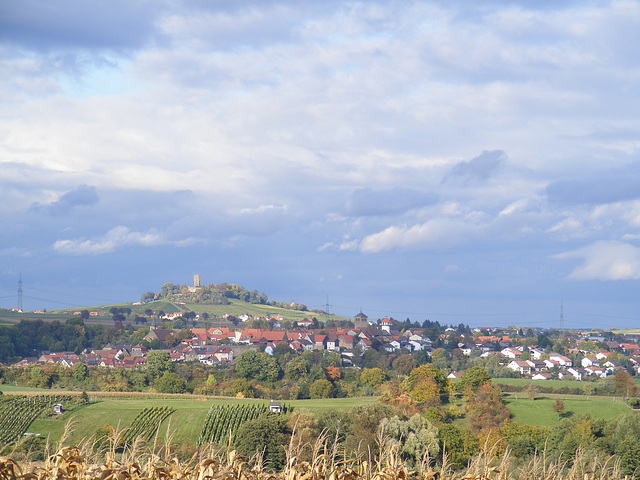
<point x="560" y="360"/>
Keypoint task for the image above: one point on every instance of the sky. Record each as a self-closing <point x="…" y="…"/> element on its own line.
<point x="462" y="162"/>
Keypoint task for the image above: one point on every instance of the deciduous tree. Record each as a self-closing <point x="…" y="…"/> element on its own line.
<point x="264" y="435"/>
<point x="372" y="377"/>
<point x="415" y="437"/>
<point x="558" y="407"/>
<point x="321" y="389"/>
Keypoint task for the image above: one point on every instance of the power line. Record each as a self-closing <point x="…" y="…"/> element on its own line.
<point x="54" y="301"/>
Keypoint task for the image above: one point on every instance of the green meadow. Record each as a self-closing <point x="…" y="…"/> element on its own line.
<point x="555" y="384"/>
<point x="540" y="411"/>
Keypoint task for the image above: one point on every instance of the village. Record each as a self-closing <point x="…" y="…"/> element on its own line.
<point x="574" y="355"/>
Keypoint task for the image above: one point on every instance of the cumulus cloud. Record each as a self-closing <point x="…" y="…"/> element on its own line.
<point x="605" y="260"/>
<point x="439" y="233"/>
<point x="114" y="239"/>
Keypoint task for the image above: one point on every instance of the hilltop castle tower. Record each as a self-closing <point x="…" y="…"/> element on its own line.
<point x="196" y="280"/>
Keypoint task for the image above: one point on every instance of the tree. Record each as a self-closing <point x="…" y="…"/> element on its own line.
<point x="170" y="382"/>
<point x="487" y="410"/>
<point x="258" y="366"/>
<point x="321" y="389"/>
<point x="473" y="377"/>
<point x="266" y="436"/>
<point x="297" y="368"/>
<point x="414" y="437"/>
<point x="283" y="353"/>
<point x="558" y="407"/>
<point x="624" y="385"/>
<point x="440" y="358"/>
<point x="333" y="373"/>
<point x="178" y="323"/>
<point x="362" y="427"/>
<point x="589" y="389"/>
<point x="158" y="363"/>
<point x="79" y="372"/>
<point x="404" y="364"/>
<point x="531" y="391"/>
<point x="372" y="377"/>
<point x="458" y="444"/>
<point x="248" y="364"/>
<point x="426" y="384"/>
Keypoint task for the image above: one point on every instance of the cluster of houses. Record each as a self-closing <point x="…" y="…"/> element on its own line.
<point x="592" y="364"/>
<point x="221" y="344"/>
<point x="125" y="356"/>
<point x="534" y="363"/>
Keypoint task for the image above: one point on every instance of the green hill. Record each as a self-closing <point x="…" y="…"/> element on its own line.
<point x="216" y="301"/>
<point x="235" y="307"/>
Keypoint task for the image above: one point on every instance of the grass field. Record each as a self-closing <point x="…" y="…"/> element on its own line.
<point x="186" y="422"/>
<point x="12" y="388"/>
<point x="523" y="382"/>
<point x="540" y="411"/>
<point x="237" y="307"/>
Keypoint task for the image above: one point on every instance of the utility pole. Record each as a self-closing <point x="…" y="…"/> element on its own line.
<point x="326" y="310"/>
<point x="20" y="293"/>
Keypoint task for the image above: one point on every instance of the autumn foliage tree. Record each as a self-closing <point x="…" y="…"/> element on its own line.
<point x="486" y="410"/>
<point x="404" y="364"/>
<point x="558" y="407"/>
<point x="624" y="385"/>
<point x="372" y="377"/>
<point x="333" y="373"/>
<point x="473" y="377"/>
<point x="426" y="385"/>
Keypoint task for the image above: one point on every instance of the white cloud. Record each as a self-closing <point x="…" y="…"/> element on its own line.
<point x="325" y="246"/>
<point x="439" y="233"/>
<point x="349" y="245"/>
<point x="568" y="228"/>
<point x="606" y="260"/>
<point x="264" y="209"/>
<point x="114" y="239"/>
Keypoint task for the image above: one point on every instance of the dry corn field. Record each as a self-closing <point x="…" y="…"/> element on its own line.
<point x="158" y="462"/>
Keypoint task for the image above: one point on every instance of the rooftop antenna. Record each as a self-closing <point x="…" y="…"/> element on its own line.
<point x="20" y="293"/>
